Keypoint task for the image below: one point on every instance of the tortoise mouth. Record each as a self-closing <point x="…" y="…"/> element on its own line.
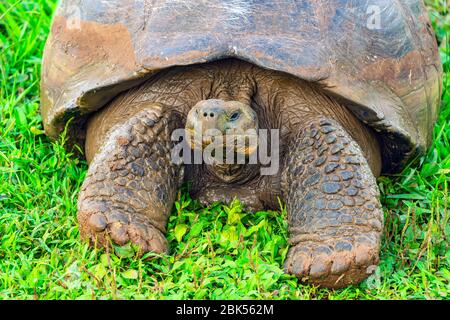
<point x="245" y="143"/>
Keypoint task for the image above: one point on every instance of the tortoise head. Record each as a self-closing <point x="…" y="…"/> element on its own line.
<point x="228" y="124"/>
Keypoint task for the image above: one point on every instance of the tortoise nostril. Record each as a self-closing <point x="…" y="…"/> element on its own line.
<point x="205" y="114"/>
<point x="211" y="115"/>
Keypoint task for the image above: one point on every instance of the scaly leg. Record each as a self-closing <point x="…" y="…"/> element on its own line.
<point x="335" y="217"/>
<point x="131" y="184"/>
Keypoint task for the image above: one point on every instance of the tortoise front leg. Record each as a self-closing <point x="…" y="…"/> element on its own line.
<point x="131" y="184"/>
<point x="335" y="217"/>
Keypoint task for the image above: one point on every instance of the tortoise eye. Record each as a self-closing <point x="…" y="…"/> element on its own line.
<point x="234" y="116"/>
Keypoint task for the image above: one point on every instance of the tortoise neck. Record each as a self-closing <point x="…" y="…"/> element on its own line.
<point x="233" y="173"/>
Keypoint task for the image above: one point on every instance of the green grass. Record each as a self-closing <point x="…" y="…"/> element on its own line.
<point x="217" y="252"/>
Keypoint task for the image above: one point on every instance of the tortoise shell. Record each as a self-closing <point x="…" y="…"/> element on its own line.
<point x="380" y="57"/>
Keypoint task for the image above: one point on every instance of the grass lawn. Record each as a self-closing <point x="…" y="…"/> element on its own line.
<point x="218" y="252"/>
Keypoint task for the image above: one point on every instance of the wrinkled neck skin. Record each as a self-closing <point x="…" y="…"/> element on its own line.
<point x="233" y="173"/>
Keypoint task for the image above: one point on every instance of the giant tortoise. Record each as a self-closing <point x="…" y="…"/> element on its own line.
<point x="352" y="86"/>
